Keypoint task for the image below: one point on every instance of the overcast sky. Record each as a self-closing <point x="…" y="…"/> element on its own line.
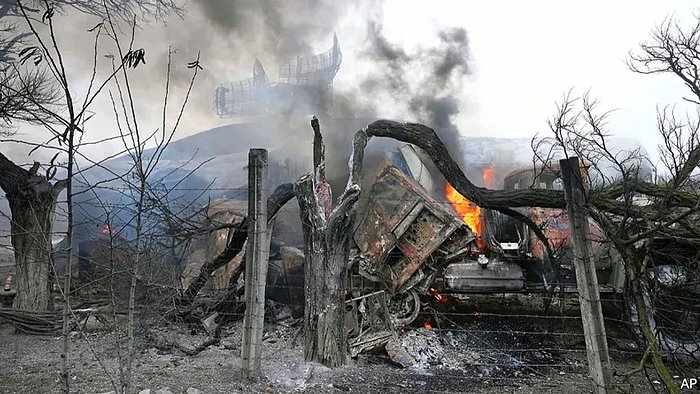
<point x="526" y="55"/>
<point x="523" y="57"/>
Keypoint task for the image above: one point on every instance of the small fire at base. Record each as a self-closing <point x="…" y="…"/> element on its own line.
<point x="437" y="296"/>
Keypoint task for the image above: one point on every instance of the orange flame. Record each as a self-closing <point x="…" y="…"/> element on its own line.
<point x="489" y="177"/>
<point x="437" y="296"/>
<point x="467" y="210"/>
<point x="107" y="230"/>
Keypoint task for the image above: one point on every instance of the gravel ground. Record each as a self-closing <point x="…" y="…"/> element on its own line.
<point x="31" y="365"/>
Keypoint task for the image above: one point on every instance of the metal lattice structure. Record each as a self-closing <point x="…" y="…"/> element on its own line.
<point x="302" y="82"/>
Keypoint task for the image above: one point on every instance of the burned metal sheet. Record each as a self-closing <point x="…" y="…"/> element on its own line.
<point x="471" y="276"/>
<point x="205" y="248"/>
<point x="403" y="226"/>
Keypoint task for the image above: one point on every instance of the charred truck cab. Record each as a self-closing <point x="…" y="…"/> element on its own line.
<point x="512" y="239"/>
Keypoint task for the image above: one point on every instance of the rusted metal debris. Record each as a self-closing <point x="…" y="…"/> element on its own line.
<point x="370" y="324"/>
<point x="403" y="233"/>
<point x="402" y="217"/>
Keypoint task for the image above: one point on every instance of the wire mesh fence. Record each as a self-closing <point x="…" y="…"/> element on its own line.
<point x="459" y="342"/>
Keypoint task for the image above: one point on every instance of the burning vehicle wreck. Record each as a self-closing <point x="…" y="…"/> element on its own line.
<point x="413" y="246"/>
<point x="419" y="243"/>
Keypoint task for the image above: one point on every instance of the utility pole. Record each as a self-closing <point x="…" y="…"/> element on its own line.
<point x="588" y="292"/>
<point x="257" y="255"/>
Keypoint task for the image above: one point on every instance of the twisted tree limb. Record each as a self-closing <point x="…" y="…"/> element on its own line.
<point x="425" y="138"/>
<point x="282" y="194"/>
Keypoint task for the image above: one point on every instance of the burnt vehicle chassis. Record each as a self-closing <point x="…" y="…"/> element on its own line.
<point x="409" y="245"/>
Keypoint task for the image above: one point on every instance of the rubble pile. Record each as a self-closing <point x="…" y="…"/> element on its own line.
<point x="485" y="354"/>
<point x="429" y="349"/>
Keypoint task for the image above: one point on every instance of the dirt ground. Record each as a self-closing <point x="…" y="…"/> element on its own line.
<point x="448" y="360"/>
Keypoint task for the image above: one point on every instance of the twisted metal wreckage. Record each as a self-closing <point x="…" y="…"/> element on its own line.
<point x="410" y="246"/>
<point x="417" y="239"/>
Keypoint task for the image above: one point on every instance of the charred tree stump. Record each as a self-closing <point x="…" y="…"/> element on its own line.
<point x="312" y="224"/>
<point x="327" y="238"/>
<point x="32" y="200"/>
<point x="326" y="251"/>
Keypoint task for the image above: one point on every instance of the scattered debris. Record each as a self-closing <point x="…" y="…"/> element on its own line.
<point x="279" y="313"/>
<point x="426" y="348"/>
<point x="374" y="325"/>
<point x="210" y="324"/>
<point x="398" y="354"/>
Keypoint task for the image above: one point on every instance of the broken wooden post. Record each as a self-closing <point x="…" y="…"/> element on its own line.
<point x="588" y="292"/>
<point x="256" y="264"/>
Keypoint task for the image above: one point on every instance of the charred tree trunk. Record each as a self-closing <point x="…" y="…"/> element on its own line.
<point x="312" y="223"/>
<point x="327" y="240"/>
<point x="32" y="199"/>
<point x="326" y="250"/>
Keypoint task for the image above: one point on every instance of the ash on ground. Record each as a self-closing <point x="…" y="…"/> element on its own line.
<point x="482" y="357"/>
<point x="486" y="353"/>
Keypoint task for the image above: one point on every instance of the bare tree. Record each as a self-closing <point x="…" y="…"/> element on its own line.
<point x="41" y="95"/>
<point x="32" y="197"/>
<point x="134" y="143"/>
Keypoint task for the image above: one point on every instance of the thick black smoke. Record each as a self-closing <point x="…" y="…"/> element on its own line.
<point x="280" y="28"/>
<point x="428" y="81"/>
